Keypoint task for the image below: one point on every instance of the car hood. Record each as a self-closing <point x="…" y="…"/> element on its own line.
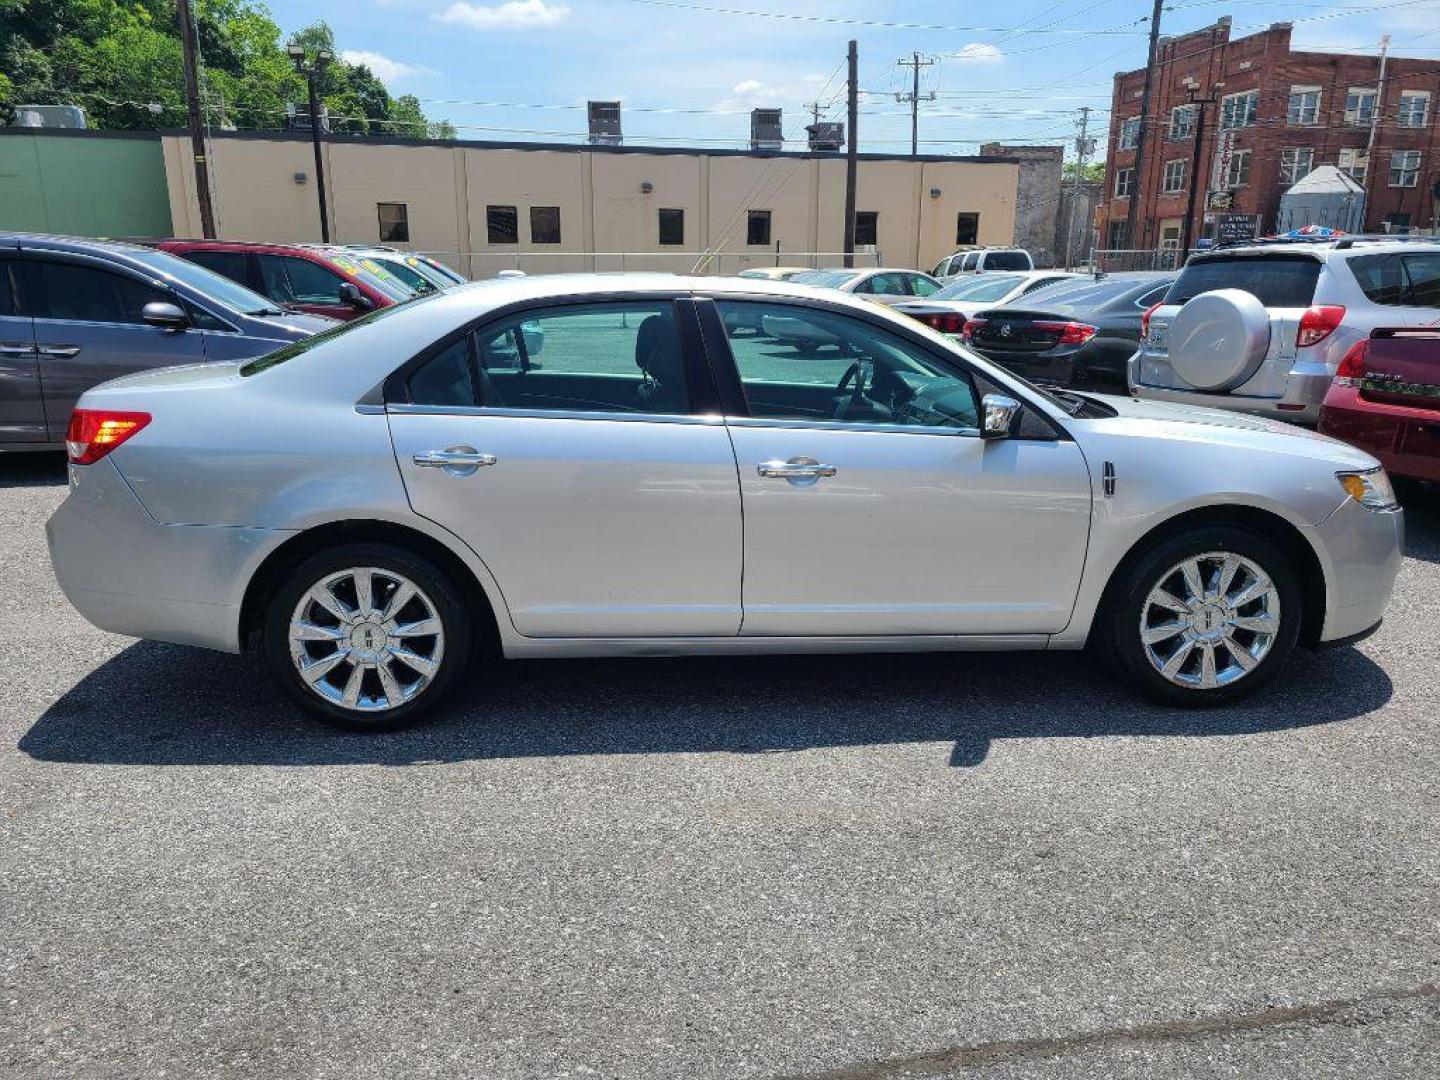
<point x="1258" y="432"/>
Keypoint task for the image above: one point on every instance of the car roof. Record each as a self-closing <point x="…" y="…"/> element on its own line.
<point x="1324" y="249"/>
<point x="56" y="242"/>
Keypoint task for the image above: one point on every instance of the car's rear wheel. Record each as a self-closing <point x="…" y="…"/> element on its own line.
<point x="368" y="636"/>
<point x="1203" y="618"/>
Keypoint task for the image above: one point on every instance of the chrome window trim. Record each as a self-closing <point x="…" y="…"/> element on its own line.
<point x="847" y="425"/>
<point x="406" y="409"/>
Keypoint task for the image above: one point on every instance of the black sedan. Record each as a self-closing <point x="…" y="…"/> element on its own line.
<point x="1073" y="332"/>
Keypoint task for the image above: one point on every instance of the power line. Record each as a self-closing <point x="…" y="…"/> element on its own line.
<point x="838" y="20"/>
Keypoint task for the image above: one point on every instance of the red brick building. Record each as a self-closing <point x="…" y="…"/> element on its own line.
<point x="1278" y="114"/>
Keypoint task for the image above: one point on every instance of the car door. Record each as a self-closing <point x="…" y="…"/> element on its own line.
<point x="89" y="328"/>
<point x="871" y="504"/>
<point x="569" y="447"/>
<point x="22" y="410"/>
<point x="303" y="285"/>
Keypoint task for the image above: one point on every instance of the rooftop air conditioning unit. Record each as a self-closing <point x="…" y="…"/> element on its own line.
<point x="297" y="117"/>
<point x="765" y="131"/>
<point x="826" y="136"/>
<point x="605" y="123"/>
<point x="49" y="116"/>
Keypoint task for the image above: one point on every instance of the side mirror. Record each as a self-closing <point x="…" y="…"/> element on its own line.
<point x="165" y="316"/>
<point x="1000" y="415"/>
<point x="351" y="294"/>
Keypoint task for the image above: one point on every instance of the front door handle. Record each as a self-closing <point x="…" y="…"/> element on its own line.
<point x="455" y="460"/>
<point x="798" y="470"/>
<point x="13" y="348"/>
<point x="59" y="352"/>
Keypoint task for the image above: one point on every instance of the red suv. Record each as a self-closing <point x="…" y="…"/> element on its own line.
<point x="1386" y="399"/>
<point x="302" y="277"/>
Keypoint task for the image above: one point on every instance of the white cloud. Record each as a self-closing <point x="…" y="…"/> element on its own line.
<point x="382" y="67"/>
<point x="979" y="52"/>
<point x="760" y="93"/>
<point x="511" y="15"/>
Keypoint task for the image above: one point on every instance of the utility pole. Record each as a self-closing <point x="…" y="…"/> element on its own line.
<point x="311" y="72"/>
<point x="1083" y="146"/>
<point x="1137" y="195"/>
<point x="851" y="149"/>
<point x="1191" y="94"/>
<point x="1370" y="169"/>
<point x="914" y="99"/>
<point x="193" y="118"/>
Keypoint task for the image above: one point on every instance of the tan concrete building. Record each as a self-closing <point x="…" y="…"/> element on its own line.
<point x="484" y="207"/>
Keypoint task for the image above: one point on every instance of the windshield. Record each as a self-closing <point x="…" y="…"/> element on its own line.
<point x="440" y="269"/>
<point x="825" y="279"/>
<point x="1277" y="281"/>
<point x="411" y="277"/>
<point x="373" y="274"/>
<point x="985" y="287"/>
<point x="222" y="290"/>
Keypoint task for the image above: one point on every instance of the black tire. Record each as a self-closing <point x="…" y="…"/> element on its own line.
<point x="456" y="651"/>
<point x="1117" y="637"/>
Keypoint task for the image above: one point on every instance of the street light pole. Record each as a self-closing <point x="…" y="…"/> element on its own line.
<point x="311" y="72"/>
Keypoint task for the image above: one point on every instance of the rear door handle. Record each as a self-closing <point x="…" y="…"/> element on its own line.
<point x="796" y="470"/>
<point x="456" y="460"/>
<point x="59" y="352"/>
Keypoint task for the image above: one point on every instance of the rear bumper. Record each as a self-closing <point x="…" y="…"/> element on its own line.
<point x="1299" y="404"/>
<point x="1361" y="551"/>
<point x="129" y="575"/>
<point x="1037" y="367"/>
<point x="1406" y="441"/>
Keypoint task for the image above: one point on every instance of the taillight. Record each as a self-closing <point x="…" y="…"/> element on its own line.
<point x="1318" y="323"/>
<point x="971" y="326"/>
<point x="1071" y="333"/>
<point x="93" y="433"/>
<point x="1352" y="367"/>
<point x="947" y="322"/>
<point x="1145" y="319"/>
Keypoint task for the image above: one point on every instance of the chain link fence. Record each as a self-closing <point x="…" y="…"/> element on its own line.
<point x="1116" y="260"/>
<point x="487" y="264"/>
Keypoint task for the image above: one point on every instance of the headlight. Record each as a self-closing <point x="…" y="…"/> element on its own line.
<point x="1369" y="488"/>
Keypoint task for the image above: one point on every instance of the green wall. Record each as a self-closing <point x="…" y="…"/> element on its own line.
<point x="82" y="185"/>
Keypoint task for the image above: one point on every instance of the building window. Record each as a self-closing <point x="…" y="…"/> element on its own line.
<point x="1414" y="108"/>
<point x="1356" y="163"/>
<point x="1182" y="122"/>
<point x="1115" y="234"/>
<point x="757" y="232"/>
<point x="394" y="222"/>
<point x="1169" y="237"/>
<point x="1239" y="110"/>
<point x="1295" y="162"/>
<point x="502" y="225"/>
<point x="1130" y="133"/>
<point x="1304" y="107"/>
<point x="1359" y="106"/>
<point x="967" y="228"/>
<point x="1174" y="176"/>
<point x="672" y="227"/>
<point x="1404" y="168"/>
<point x="866" y="225"/>
<point x="545" y="224"/>
<point x="1124" y="183"/>
<point x="1238" y="174"/>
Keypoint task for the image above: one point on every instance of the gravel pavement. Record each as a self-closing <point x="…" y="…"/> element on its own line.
<point x="849" y="868"/>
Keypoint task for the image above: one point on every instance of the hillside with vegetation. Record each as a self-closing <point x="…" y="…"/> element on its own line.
<point x="122" y="62"/>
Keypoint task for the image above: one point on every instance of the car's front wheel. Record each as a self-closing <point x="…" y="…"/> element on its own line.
<point x="369" y="636"/>
<point x="1203" y="618"/>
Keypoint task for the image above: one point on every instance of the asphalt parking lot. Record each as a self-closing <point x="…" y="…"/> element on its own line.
<point x="852" y="867"/>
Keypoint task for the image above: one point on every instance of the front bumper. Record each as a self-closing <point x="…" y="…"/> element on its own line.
<point x="130" y="575"/>
<point x="1361" y="551"/>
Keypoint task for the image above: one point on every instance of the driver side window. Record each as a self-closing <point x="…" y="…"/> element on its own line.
<point x="803" y="363"/>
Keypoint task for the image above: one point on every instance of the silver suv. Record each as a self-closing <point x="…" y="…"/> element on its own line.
<point x="1261" y="328"/>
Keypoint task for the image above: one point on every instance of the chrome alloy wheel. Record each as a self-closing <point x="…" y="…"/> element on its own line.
<point x="366" y="639"/>
<point x="1210" y="620"/>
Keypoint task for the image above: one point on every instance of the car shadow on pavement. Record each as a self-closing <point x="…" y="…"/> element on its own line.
<point x="159" y="704"/>
<point x="42" y="468"/>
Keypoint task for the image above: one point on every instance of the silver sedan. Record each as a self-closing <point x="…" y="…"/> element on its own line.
<point x="380" y="510"/>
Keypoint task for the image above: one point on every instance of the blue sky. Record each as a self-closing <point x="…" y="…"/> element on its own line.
<point x="689" y="71"/>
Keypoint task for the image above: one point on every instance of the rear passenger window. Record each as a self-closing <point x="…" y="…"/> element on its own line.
<point x="7" y="290"/>
<point x="447" y="378"/>
<point x="85" y="294"/>
<point x="621" y="358"/>
<point x="1423" y="272"/>
<point x="1399" y="280"/>
<point x="230" y="264"/>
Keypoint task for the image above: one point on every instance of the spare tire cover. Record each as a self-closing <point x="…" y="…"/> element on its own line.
<point x="1219" y="339"/>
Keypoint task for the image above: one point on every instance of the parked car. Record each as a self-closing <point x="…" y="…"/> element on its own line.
<point x="773" y="273"/>
<point x="1386" y="400"/>
<point x="1261" y="327"/>
<point x="314" y="278"/>
<point x="947" y="309"/>
<point x="77" y="312"/>
<point x="364" y="509"/>
<point x="418" y="274"/>
<point x="982" y="260"/>
<point x="1074" y="332"/>
<point x="879" y="284"/>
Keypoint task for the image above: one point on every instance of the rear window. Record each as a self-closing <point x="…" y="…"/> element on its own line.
<point x="1007" y="260"/>
<point x="1277" y="281"/>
